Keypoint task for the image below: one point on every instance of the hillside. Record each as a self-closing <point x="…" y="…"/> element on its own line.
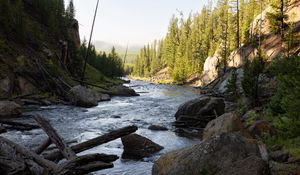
<point x="39" y="50"/>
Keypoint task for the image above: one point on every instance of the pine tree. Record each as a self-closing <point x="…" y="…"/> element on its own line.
<point x="70" y="11"/>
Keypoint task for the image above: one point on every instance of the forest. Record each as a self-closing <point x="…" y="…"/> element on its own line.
<point x="218" y="29"/>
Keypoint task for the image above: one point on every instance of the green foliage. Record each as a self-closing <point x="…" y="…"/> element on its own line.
<point x="189" y="41"/>
<point x="110" y="65"/>
<point x="70" y="11"/>
<point x="283" y="110"/>
<point x="284" y="105"/>
<point x="277" y="19"/>
<point x="231" y="86"/>
<point x="250" y="81"/>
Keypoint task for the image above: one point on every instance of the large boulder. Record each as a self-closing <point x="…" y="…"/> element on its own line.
<point x="138" y="147"/>
<point x="10" y="109"/>
<point x="200" y="111"/>
<point x="226" y="123"/>
<point x="81" y="96"/>
<point x="121" y="90"/>
<point x="225" y="154"/>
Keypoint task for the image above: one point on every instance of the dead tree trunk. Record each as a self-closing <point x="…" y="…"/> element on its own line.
<point x="56" y="155"/>
<point x="43" y="146"/>
<point x="55" y="138"/>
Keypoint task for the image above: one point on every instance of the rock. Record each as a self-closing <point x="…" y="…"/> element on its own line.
<point x="210" y="70"/>
<point x="284" y="169"/>
<point x="294" y="160"/>
<point x="6" y="86"/>
<point x="10" y="109"/>
<point x="121" y="90"/>
<point x="157" y="128"/>
<point x="262" y="127"/>
<point x="248" y="115"/>
<point x="252" y="165"/>
<point x="182" y="132"/>
<point x="2" y="130"/>
<point x="81" y="96"/>
<point x="200" y="111"/>
<point x="103" y="97"/>
<point x="224" y="154"/>
<point x="226" y="123"/>
<point x="25" y="86"/>
<point x="138" y="147"/>
<point x="115" y="116"/>
<point x="279" y="156"/>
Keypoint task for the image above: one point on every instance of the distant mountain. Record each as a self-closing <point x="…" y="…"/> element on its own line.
<point x="106" y="46"/>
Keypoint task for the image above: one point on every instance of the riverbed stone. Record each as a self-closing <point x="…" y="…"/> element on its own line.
<point x="226" y="123"/>
<point x="224" y="154"/>
<point x="198" y="112"/>
<point x="121" y="90"/>
<point x="2" y="130"/>
<point x="10" y="109"/>
<point x="84" y="97"/>
<point x="137" y="147"/>
<point x="157" y="128"/>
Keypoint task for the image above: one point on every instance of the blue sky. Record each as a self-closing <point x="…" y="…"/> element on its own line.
<point x="133" y="21"/>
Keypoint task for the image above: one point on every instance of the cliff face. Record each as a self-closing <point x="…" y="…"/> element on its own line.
<point x="271" y="48"/>
<point x="42" y="60"/>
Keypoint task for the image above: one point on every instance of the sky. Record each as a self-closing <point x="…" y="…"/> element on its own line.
<point x="134" y="21"/>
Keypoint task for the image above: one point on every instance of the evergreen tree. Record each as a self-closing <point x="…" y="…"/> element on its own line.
<point x="70" y="11"/>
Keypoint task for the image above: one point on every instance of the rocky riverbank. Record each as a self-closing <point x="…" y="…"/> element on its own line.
<point x="229" y="145"/>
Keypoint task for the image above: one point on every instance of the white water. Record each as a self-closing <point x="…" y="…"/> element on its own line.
<point x="158" y="106"/>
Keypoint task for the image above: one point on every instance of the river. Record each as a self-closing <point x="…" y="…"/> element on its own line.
<point x="157" y="106"/>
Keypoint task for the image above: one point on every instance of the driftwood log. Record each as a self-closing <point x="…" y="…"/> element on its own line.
<point x="10" y="124"/>
<point x="55" y="138"/>
<point x="18" y="160"/>
<point x="43" y="146"/>
<point x="113" y="135"/>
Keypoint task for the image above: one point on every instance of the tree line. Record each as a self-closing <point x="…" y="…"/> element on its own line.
<point x="189" y="41"/>
<point x="111" y="64"/>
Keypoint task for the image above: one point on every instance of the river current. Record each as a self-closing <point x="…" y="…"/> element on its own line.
<point x="156" y="105"/>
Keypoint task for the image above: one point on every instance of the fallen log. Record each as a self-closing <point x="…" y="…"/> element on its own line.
<point x="113" y="135"/>
<point x="43" y="146"/>
<point x="67" y="152"/>
<point x="18" y="125"/>
<point x="86" y="164"/>
<point x="15" y="160"/>
<point x="90" y="84"/>
<point x="14" y="153"/>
